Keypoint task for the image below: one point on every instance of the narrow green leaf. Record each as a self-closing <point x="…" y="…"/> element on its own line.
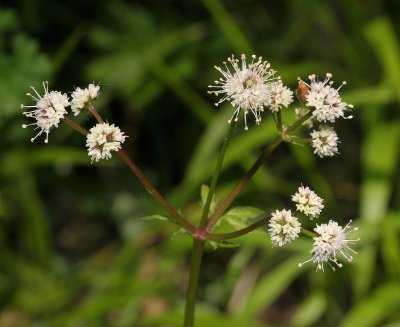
<point x="155" y="217"/>
<point x="310" y="310"/>
<point x="223" y="244"/>
<point x="374" y="308"/>
<point x="270" y="287"/>
<point x="382" y="37"/>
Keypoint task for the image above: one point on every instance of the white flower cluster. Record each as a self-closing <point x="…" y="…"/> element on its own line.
<point x="324" y="141"/>
<point x="327" y="106"/>
<point x="102" y="139"/>
<point x="308" y="202"/>
<point x="279" y="96"/>
<point x="52" y="107"/>
<point x="329" y="240"/>
<point x="325" y="99"/>
<point x="49" y="110"/>
<point x="250" y="88"/>
<point x="283" y="227"/>
<point x="82" y="97"/>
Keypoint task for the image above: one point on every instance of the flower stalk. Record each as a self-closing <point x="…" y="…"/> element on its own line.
<point x="201" y="234"/>
<point x="257" y="164"/>
<point x="143" y="180"/>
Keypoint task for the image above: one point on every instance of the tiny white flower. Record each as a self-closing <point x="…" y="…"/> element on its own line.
<point x="102" y="139"/>
<point x="82" y="97"/>
<point x="246" y="87"/>
<point x="308" y="202"/>
<point x="326" y="99"/>
<point x="330" y="241"/>
<point x="279" y="96"/>
<point x="94" y="91"/>
<point x="325" y="141"/>
<point x="50" y="109"/>
<point x="283" y="227"/>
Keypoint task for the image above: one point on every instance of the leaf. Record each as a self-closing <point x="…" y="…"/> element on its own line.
<point x="240" y="217"/>
<point x="24" y="66"/>
<point x="310" y="310"/>
<point x="270" y="287"/>
<point x="155" y="217"/>
<point x="179" y="232"/>
<point x="374" y="308"/>
<point x="223" y="244"/>
<point x="382" y="37"/>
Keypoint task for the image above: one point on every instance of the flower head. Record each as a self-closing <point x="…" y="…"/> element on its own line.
<point x="82" y="97"/>
<point x="102" y="139"/>
<point x="325" y="99"/>
<point x="325" y="141"/>
<point x="283" y="227"/>
<point x="308" y="202"/>
<point x="279" y="96"/>
<point x="246" y="87"/>
<point x="49" y="110"/>
<point x="330" y="241"/>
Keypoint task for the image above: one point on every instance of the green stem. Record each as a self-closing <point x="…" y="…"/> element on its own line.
<point x="308" y="233"/>
<point x="228" y="25"/>
<point x="154" y="193"/>
<point x="198" y="243"/>
<point x="215" y="176"/>
<point x="253" y="169"/>
<point x="142" y="179"/>
<point x="191" y="295"/>
<point x="242" y="182"/>
<point x="280" y="125"/>
<point x="241" y="232"/>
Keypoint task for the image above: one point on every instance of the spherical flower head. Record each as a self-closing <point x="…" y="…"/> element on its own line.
<point x="308" y="202"/>
<point x="283" y="227"/>
<point x="245" y="86"/>
<point x="330" y="241"/>
<point x="279" y="96"/>
<point x="48" y="110"/>
<point x="325" y="99"/>
<point x="102" y="139"/>
<point x="325" y="141"/>
<point x="81" y="98"/>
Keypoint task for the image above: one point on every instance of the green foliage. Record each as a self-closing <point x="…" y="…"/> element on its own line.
<point x="73" y="249"/>
<point x="240" y="217"/>
<point x="21" y="64"/>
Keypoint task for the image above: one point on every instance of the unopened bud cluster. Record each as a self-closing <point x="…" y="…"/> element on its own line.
<point x="330" y="239"/>
<point x="53" y="106"/>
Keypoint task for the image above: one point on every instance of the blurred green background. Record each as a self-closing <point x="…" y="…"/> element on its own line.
<point x="74" y="249"/>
